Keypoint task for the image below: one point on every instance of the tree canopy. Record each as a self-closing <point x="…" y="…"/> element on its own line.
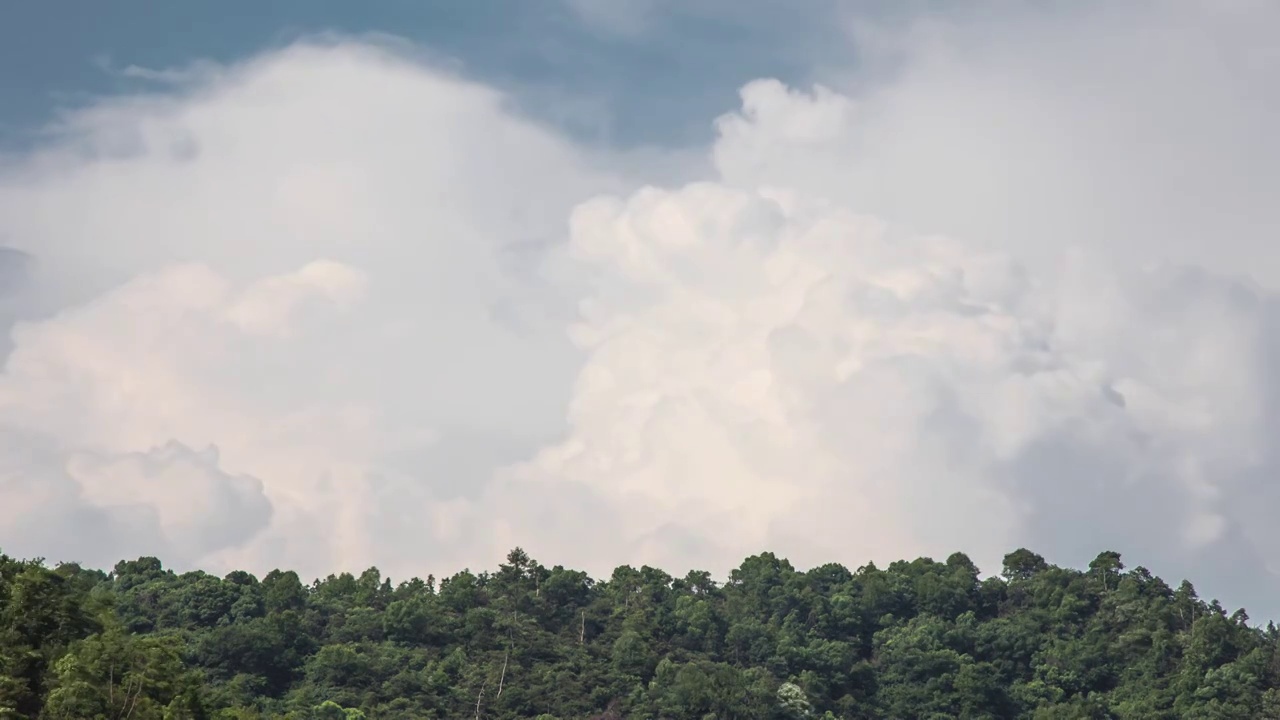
<point x="919" y="639"/>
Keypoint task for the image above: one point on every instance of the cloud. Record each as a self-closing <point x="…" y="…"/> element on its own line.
<point x="1139" y="130"/>
<point x="1086" y="364"/>
<point x="179" y="494"/>
<point x="905" y="314"/>
<point x="323" y="261"/>
<point x="181" y="355"/>
<point x="769" y="372"/>
<point x="98" y="508"/>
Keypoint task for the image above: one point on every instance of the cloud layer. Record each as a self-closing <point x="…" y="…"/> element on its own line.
<point x="359" y="311"/>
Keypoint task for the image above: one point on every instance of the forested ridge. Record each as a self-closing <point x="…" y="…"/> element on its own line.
<point x="920" y="639"/>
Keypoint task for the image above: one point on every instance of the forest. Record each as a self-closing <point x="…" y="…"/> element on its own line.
<point x="918" y="639"/>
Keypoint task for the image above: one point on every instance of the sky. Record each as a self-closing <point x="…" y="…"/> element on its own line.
<point x="411" y="284"/>
<point x="593" y="67"/>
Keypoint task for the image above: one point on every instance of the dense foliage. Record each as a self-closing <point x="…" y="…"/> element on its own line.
<point x="919" y="639"/>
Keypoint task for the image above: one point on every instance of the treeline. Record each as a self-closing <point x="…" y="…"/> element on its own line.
<point x="920" y="639"/>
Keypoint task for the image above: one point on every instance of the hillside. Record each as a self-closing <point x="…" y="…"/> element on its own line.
<point x="920" y="639"/>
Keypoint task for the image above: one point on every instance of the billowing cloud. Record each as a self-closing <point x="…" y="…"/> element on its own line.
<point x="418" y="329"/>
<point x="764" y="372"/>
<point x="325" y="263"/>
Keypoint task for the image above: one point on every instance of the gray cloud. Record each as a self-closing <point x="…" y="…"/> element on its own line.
<point x="98" y="508"/>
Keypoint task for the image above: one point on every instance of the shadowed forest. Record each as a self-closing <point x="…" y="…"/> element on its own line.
<point x="920" y="639"/>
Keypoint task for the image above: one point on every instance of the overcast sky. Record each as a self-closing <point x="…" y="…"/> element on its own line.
<point x="648" y="282"/>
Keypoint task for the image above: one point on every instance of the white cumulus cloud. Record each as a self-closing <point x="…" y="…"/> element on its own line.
<point x="912" y="313"/>
<point x="769" y="373"/>
<point x="323" y="262"/>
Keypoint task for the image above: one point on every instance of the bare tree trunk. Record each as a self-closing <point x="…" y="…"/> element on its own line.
<point x="479" y="698"/>
<point x="130" y="706"/>
<point x="503" y="676"/>
<point x="124" y="704"/>
<point x="582" y="629"/>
